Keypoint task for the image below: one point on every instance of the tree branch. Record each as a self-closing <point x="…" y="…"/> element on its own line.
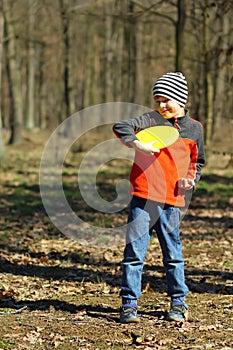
<point x="150" y="9"/>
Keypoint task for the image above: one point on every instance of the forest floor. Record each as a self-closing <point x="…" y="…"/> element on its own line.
<point x="56" y="293"/>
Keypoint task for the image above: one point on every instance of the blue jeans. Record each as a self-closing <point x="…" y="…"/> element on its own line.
<point x="144" y="216"/>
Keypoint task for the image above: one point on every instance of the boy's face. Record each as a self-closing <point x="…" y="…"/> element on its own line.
<point x="168" y="108"/>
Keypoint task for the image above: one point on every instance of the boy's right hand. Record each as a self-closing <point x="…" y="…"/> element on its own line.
<point x="144" y="147"/>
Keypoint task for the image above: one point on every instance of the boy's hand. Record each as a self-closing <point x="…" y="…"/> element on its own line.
<point x="144" y="147"/>
<point x="186" y="184"/>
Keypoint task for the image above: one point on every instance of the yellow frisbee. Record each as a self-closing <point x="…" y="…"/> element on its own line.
<point x="163" y="135"/>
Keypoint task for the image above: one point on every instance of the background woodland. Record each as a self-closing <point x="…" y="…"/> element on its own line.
<point x="58" y="57"/>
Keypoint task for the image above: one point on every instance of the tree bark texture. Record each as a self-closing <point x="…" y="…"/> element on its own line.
<point x="180" y="31"/>
<point x="14" y="76"/>
<point x="30" y="110"/>
<point x="1" y="49"/>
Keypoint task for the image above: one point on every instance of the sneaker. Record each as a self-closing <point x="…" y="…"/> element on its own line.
<point x="178" y="311"/>
<point x="128" y="313"/>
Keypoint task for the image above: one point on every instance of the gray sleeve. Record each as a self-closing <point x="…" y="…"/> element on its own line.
<point x="126" y="129"/>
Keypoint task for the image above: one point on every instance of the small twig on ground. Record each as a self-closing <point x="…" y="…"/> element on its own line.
<point x="13" y="312"/>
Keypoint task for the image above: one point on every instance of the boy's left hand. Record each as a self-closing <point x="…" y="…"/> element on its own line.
<point x="186" y="184"/>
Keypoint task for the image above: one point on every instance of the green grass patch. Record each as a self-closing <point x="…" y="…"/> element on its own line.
<point x="7" y="344"/>
<point x="216" y="187"/>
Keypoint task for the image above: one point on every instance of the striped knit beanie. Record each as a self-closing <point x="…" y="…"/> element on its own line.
<point x="172" y="86"/>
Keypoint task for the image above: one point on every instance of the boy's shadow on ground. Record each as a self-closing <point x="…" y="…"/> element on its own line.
<point x="99" y="311"/>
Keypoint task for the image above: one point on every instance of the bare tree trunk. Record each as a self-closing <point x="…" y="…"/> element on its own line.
<point x="1" y="46"/>
<point x="95" y="70"/>
<point x="180" y="25"/>
<point x="119" y="56"/>
<point x="220" y="99"/>
<point x="30" y="116"/>
<point x="209" y="89"/>
<point x="139" y="77"/>
<point x="14" y="77"/>
<point x="66" y="41"/>
<point x="87" y="81"/>
<point x="130" y="42"/>
<point x="40" y="91"/>
<point x="108" y="53"/>
<point x="91" y="68"/>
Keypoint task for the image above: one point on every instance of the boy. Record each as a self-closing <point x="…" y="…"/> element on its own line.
<point x="159" y="182"/>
